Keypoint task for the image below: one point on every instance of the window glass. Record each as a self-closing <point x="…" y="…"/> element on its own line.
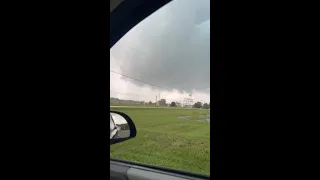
<point x="160" y="77"/>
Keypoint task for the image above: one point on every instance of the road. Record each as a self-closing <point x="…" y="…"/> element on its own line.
<point x="123" y="134"/>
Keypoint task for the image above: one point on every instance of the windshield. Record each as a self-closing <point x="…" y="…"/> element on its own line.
<point x="160" y="77"/>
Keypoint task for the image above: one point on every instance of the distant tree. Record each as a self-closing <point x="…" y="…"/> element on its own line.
<point x="162" y="102"/>
<point x="197" y="105"/>
<point x="173" y="104"/>
<point x="150" y="102"/>
<point x="205" y="106"/>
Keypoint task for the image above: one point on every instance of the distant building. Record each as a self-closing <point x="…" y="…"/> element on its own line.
<point x="188" y="102"/>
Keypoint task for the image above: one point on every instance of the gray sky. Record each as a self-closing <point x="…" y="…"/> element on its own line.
<point x="170" y="48"/>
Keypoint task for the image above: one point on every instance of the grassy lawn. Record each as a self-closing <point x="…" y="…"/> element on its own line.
<point x="164" y="139"/>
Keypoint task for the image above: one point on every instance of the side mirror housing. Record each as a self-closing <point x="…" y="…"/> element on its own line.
<point x="122" y="127"/>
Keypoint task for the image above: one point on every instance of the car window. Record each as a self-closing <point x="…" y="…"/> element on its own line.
<point x="160" y="77"/>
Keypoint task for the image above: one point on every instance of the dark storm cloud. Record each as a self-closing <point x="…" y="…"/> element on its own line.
<point x="171" y="48"/>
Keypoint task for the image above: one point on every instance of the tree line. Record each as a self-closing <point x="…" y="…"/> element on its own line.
<point x="200" y="105"/>
<point x="162" y="102"/>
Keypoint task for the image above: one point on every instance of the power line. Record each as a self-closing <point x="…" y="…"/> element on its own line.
<point x="141" y="81"/>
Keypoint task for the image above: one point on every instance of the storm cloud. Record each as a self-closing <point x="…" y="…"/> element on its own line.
<point x="170" y="48"/>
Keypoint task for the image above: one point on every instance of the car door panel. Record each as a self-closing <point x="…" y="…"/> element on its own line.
<point x="118" y="172"/>
<point x="121" y="170"/>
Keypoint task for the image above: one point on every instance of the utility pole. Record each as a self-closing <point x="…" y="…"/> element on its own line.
<point x="155" y="104"/>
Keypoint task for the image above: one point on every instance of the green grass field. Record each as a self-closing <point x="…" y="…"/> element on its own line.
<point x="163" y="139"/>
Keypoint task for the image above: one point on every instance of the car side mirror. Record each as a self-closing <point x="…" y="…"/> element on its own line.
<point x="122" y="127"/>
